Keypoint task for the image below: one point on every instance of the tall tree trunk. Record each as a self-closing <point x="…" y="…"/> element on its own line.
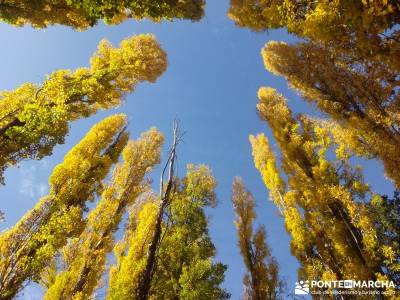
<point x="165" y="195"/>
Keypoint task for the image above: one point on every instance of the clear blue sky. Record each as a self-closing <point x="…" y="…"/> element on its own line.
<point x="215" y="70"/>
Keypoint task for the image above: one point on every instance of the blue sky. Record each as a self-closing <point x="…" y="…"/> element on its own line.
<point x="215" y="70"/>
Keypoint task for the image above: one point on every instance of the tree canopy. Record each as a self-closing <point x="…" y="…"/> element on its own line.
<point x="28" y="247"/>
<point x="323" y="200"/>
<point x="262" y="281"/>
<point x="102" y="227"/>
<point x="84" y="14"/>
<point x="361" y="96"/>
<point x="185" y="267"/>
<point x="33" y="119"/>
<point x="84" y="258"/>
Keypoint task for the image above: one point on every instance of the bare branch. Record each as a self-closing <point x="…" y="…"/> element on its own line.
<point x="165" y="197"/>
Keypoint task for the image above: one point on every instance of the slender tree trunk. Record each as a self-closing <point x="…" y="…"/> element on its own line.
<point x="165" y="195"/>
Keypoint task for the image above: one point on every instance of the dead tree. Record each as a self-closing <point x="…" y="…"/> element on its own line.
<point x="166" y="190"/>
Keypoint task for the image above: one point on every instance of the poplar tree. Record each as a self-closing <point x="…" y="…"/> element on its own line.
<point x="85" y="256"/>
<point x="386" y="211"/>
<point x="262" y="280"/>
<point x="361" y="96"/>
<point x="28" y="247"/>
<point x="185" y="261"/>
<point x="185" y="267"/>
<point x="361" y="28"/>
<point x="143" y="287"/>
<point x="84" y="14"/>
<point x="324" y="200"/>
<point x="131" y="252"/>
<point x="348" y="66"/>
<point x="305" y="17"/>
<point x="35" y="118"/>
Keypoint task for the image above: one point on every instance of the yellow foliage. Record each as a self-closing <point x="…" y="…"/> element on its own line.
<point x="125" y="276"/>
<point x="265" y="162"/>
<point x="28" y="247"/>
<point x="359" y="94"/>
<point x="82" y="15"/>
<point x="332" y="229"/>
<point x="85" y="257"/>
<point x="33" y="119"/>
<point x="358" y="28"/>
<point x="262" y="278"/>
